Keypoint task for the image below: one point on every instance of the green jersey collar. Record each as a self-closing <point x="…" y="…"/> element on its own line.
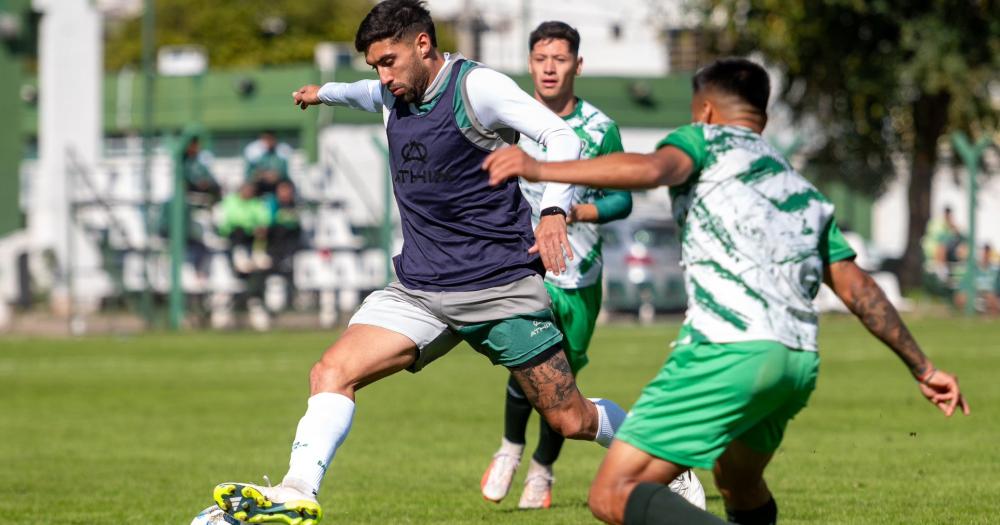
<point x="577" y="110"/>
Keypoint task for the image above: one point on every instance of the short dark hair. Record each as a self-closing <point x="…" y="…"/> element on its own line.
<point x="736" y="76"/>
<point x="394" y="19"/>
<point x="553" y="30"/>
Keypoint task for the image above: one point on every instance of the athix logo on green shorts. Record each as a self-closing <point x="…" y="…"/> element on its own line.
<point x="540" y="326"/>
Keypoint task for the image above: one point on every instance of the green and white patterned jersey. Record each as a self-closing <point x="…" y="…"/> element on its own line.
<point x="600" y="136"/>
<point x="755" y="236"/>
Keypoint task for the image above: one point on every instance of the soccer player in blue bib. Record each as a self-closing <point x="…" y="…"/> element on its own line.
<point x="757" y="239"/>
<point x="470" y="267"/>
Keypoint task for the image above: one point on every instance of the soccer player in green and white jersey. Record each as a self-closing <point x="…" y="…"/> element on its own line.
<point x="554" y="62"/>
<point x="757" y="241"/>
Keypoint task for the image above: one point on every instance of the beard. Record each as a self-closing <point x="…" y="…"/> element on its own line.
<point x="415" y="91"/>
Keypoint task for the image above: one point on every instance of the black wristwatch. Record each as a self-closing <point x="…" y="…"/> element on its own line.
<point x="552" y="210"/>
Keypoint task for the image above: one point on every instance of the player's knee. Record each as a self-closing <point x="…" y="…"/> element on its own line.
<point x="569" y="423"/>
<point x="739" y="489"/>
<point x="726" y="492"/>
<point x="724" y="483"/>
<point x="329" y="375"/>
<point x="598" y="501"/>
<point x="607" y="499"/>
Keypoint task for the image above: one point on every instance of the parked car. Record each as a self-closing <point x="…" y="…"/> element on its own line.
<point x="642" y="271"/>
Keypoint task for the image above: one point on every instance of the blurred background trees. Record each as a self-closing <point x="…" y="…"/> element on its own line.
<point x="882" y="78"/>
<point x="258" y="32"/>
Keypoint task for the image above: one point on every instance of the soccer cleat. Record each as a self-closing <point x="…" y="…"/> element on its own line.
<point x="499" y="475"/>
<point x="214" y="516"/>
<point x="256" y="504"/>
<point x="537" y="488"/>
<point x="689" y="487"/>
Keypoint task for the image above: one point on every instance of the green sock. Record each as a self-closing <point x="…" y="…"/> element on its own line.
<point x="517" y="410"/>
<point x="550" y="444"/>
<point x="655" y="504"/>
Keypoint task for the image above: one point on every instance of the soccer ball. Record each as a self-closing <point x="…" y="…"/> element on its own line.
<point x="214" y="516"/>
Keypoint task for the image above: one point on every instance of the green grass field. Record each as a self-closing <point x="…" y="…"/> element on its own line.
<point x="139" y="429"/>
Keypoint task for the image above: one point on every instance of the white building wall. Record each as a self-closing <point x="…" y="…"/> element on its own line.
<point x="70" y="75"/>
<point x="638" y="51"/>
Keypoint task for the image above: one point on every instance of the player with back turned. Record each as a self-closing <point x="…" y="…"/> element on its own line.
<point x="757" y="240"/>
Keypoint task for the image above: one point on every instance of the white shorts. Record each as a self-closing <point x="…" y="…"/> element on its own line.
<point x="388" y="309"/>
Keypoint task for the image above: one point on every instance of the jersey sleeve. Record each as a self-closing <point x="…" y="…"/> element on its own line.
<point x="366" y="95"/>
<point x="691" y="140"/>
<point x="612" y="142"/>
<point x="613" y="205"/>
<point x="498" y="102"/>
<point x="833" y="246"/>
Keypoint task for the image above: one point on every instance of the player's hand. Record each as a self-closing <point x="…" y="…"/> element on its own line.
<point x="582" y="213"/>
<point x="306" y="96"/>
<point x="941" y="388"/>
<point x="510" y="162"/>
<point x="552" y="243"/>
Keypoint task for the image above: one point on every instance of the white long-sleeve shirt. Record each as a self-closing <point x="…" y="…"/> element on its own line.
<point x="497" y="103"/>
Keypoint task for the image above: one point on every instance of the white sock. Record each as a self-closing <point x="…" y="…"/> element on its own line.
<point x="321" y="431"/>
<point x="609" y="418"/>
<point x="511" y="448"/>
<point x="537" y="469"/>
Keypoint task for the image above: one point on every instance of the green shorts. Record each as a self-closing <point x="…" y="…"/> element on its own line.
<point x="575" y="311"/>
<point x="709" y="394"/>
<point x="512" y="341"/>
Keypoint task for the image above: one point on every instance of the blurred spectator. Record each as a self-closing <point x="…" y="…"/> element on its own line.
<point x="285" y="233"/>
<point x="943" y="242"/>
<point x="267" y="162"/>
<point x="943" y="247"/>
<point x="267" y="140"/>
<point x="987" y="283"/>
<point x="245" y="219"/>
<point x="196" y="252"/>
<point x="201" y="191"/>
<point x="202" y="188"/>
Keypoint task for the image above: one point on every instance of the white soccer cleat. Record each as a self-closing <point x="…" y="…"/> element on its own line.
<point x="537" y="487"/>
<point x="258" y="504"/>
<point x="689" y="487"/>
<point x="500" y="474"/>
<point x="215" y="516"/>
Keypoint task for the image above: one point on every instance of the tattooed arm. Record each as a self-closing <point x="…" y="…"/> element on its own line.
<point x="865" y="299"/>
<point x="868" y="302"/>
